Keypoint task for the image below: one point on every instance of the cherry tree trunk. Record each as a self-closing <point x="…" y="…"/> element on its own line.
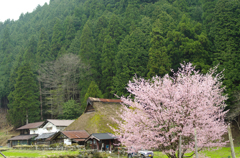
<point x="180" y="148"/>
<point x="196" y="149"/>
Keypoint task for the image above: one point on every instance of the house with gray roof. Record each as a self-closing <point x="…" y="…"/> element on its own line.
<point x="40" y="129"/>
<point x="21" y="140"/>
<point x="101" y="141"/>
<point x="44" y="138"/>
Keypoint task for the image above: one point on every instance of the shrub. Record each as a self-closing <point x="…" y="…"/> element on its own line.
<point x="54" y="145"/>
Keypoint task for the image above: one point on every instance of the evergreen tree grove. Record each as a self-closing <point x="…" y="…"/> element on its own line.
<point x="25" y="104"/>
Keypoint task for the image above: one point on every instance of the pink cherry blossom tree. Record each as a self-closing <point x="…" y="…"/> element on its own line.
<point x="162" y="109"/>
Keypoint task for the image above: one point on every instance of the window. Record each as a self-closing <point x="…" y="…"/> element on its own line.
<point x="49" y="128"/>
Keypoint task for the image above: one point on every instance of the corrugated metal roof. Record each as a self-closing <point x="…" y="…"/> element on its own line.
<point x="31" y="125"/>
<point x="45" y="135"/>
<point x="78" y="140"/>
<point x="62" y="123"/>
<point x="24" y="137"/>
<point x="102" y="136"/>
<point x="76" y="134"/>
<point x="104" y="100"/>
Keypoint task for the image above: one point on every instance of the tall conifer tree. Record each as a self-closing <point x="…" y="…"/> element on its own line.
<point x="25" y="103"/>
<point x="108" y="69"/>
<point x="57" y="39"/>
<point x="30" y="53"/>
<point x="226" y="40"/>
<point x="115" y="29"/>
<point x="43" y="48"/>
<point x="159" y="62"/>
<point x="131" y="59"/>
<point x="70" y="31"/>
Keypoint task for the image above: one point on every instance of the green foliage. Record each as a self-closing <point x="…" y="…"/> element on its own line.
<point x="119" y="39"/>
<point x="92" y="91"/>
<point x="30" y="53"/>
<point x="131" y="59"/>
<point x="57" y="39"/>
<point x="188" y="43"/>
<point x="226" y="39"/>
<point x="108" y="70"/>
<point x="71" y="110"/>
<point x="25" y="102"/>
<point x="43" y="48"/>
<point x="87" y="49"/>
<point x="159" y="61"/>
<point x="70" y="31"/>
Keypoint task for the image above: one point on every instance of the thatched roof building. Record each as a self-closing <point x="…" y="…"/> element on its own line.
<point x="97" y="116"/>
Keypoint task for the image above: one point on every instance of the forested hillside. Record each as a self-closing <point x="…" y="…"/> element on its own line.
<point x="52" y="59"/>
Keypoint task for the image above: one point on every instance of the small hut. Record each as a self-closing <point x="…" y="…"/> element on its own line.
<point x="101" y="141"/>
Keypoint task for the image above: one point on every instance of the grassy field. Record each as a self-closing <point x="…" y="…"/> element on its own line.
<point x="214" y="153"/>
<point x="29" y="153"/>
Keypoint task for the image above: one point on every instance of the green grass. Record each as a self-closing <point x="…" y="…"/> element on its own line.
<point x="223" y="152"/>
<point x="213" y="153"/>
<point x="36" y="153"/>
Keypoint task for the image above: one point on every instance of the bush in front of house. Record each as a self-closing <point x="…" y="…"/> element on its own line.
<point x="55" y="145"/>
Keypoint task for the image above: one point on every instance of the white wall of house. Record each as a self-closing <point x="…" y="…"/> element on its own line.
<point x="67" y="142"/>
<point x="48" y="128"/>
<point x="34" y="131"/>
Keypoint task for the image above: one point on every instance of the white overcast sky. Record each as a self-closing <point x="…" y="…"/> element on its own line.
<point x="12" y="9"/>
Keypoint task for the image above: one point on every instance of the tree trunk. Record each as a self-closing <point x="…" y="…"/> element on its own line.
<point x="231" y="141"/>
<point x="196" y="150"/>
<point x="40" y="91"/>
<point x="26" y="117"/>
<point x="180" y="147"/>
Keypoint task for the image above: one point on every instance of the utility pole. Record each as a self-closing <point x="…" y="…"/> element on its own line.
<point x="3" y="154"/>
<point x="231" y="141"/>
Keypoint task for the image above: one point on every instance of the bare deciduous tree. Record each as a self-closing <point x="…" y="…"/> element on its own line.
<point x="60" y="81"/>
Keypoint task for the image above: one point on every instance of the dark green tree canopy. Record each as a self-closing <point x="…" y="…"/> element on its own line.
<point x="115" y="40"/>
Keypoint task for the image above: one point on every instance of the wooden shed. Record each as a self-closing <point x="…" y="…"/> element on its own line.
<point x="101" y="141"/>
<point x="22" y="140"/>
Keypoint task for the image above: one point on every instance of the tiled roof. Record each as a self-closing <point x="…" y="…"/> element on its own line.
<point x="104" y="100"/>
<point x="76" y="134"/>
<point x="31" y="125"/>
<point x="62" y="123"/>
<point x="45" y="135"/>
<point x="24" y="137"/>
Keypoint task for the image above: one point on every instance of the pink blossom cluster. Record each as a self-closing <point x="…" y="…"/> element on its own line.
<point x="162" y="109"/>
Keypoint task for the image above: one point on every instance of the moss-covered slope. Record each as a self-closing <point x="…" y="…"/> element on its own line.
<point x="98" y="121"/>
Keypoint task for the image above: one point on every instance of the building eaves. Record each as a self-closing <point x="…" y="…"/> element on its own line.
<point x="31" y="125"/>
